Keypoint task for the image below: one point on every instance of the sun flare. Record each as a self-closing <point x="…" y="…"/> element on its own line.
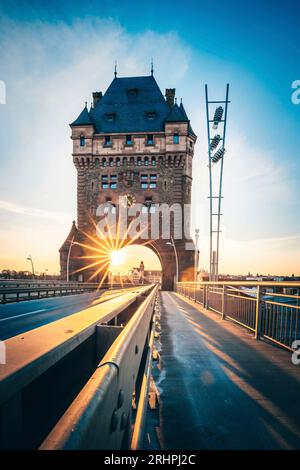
<point x="117" y="257"/>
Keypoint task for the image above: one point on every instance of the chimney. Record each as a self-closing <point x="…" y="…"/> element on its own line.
<point x="97" y="95"/>
<point x="170" y="96"/>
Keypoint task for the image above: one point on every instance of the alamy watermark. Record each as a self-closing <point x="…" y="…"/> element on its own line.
<point x="295" y="97"/>
<point x="145" y="221"/>
<point x="2" y="92"/>
<point x="296" y="353"/>
<point x="2" y="352"/>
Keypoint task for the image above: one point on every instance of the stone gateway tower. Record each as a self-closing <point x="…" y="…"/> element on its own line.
<point x="134" y="142"/>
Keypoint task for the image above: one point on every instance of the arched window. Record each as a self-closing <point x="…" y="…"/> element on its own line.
<point x="139" y="161"/>
<point x="124" y="161"/>
<point x="118" y="162"/>
<point x="103" y="162"/>
<point x="153" y="161"/>
<point x="82" y="141"/>
<point x="131" y="161"/>
<point x="111" y="162"/>
<point x="146" y="161"/>
<point x="96" y="162"/>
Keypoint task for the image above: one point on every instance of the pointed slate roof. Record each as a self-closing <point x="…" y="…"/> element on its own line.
<point x="83" y="119"/>
<point x="126" y="105"/>
<point x="129" y="100"/>
<point x="176" y="115"/>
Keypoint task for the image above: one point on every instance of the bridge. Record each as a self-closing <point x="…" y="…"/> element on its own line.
<point x="207" y="366"/>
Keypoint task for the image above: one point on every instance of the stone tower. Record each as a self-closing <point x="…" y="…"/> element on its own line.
<point x="134" y="142"/>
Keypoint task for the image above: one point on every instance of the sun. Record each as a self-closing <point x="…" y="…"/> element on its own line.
<point x="116" y="257"/>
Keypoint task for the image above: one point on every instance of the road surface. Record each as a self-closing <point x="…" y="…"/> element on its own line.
<point x="19" y="317"/>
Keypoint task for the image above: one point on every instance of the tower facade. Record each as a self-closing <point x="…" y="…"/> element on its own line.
<point x="134" y="142"/>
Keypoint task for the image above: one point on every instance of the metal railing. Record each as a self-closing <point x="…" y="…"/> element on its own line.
<point x="268" y="309"/>
<point x="70" y="384"/>
<point x="30" y="290"/>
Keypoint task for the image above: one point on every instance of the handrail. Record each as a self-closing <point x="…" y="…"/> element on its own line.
<point x="100" y="416"/>
<point x="269" y="314"/>
<point x="14" y="294"/>
<point x="64" y="351"/>
<point x="245" y="283"/>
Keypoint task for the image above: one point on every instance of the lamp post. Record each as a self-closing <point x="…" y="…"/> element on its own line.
<point x="176" y="257"/>
<point x="196" y="253"/>
<point x="29" y="258"/>
<point x="68" y="258"/>
<point x="216" y="151"/>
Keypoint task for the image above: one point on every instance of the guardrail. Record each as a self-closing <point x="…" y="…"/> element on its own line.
<point x="268" y="309"/>
<point x="69" y="384"/>
<point x="37" y="290"/>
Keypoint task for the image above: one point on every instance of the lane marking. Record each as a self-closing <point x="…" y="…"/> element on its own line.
<point x="23" y="315"/>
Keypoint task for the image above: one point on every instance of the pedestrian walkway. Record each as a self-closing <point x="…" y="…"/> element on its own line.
<point x="219" y="387"/>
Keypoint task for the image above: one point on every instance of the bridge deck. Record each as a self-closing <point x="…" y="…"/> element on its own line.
<point x="219" y="387"/>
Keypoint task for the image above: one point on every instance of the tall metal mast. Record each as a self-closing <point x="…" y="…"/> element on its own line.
<point x="216" y="151"/>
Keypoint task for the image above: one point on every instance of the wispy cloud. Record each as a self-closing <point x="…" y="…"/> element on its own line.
<point x="32" y="211"/>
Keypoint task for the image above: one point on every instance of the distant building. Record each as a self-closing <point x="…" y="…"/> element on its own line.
<point x="141" y="276"/>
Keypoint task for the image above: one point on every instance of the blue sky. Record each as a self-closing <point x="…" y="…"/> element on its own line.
<point x="54" y="56"/>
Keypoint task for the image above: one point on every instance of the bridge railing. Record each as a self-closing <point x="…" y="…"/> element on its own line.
<point x="30" y="290"/>
<point x="70" y="384"/>
<point x="268" y="309"/>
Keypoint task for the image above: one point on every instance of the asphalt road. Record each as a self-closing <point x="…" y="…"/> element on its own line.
<point x="219" y="387"/>
<point x="19" y="317"/>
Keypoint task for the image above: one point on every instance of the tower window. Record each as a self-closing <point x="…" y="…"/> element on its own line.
<point x="150" y="140"/>
<point x="113" y="185"/>
<point x="82" y="141"/>
<point x="128" y="140"/>
<point x="152" y="185"/>
<point x="153" y="161"/>
<point x="118" y="161"/>
<point x="175" y="139"/>
<point x="111" y="162"/>
<point x="144" y="177"/>
<point x="103" y="162"/>
<point x="104" y="177"/>
<point x="110" y="117"/>
<point x="107" y="140"/>
<point x="105" y="185"/>
<point x="153" y="177"/>
<point x="113" y="177"/>
<point x="144" y="185"/>
<point x="139" y="161"/>
<point x="151" y="115"/>
<point x="132" y="92"/>
<point x="146" y="161"/>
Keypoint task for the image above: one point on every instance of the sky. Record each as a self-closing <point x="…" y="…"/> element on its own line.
<point x="53" y="55"/>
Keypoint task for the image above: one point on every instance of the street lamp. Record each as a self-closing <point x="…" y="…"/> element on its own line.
<point x="68" y="258"/>
<point x="176" y="257"/>
<point x="196" y="253"/>
<point x="29" y="258"/>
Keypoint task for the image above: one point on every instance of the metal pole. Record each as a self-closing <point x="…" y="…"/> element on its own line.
<point x="176" y="258"/>
<point x="30" y="259"/>
<point x="220" y="188"/>
<point x="257" y="313"/>
<point x="68" y="257"/>
<point x="196" y="253"/>
<point x="210" y="187"/>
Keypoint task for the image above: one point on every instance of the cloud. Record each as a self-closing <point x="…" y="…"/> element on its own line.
<point x="31" y="211"/>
